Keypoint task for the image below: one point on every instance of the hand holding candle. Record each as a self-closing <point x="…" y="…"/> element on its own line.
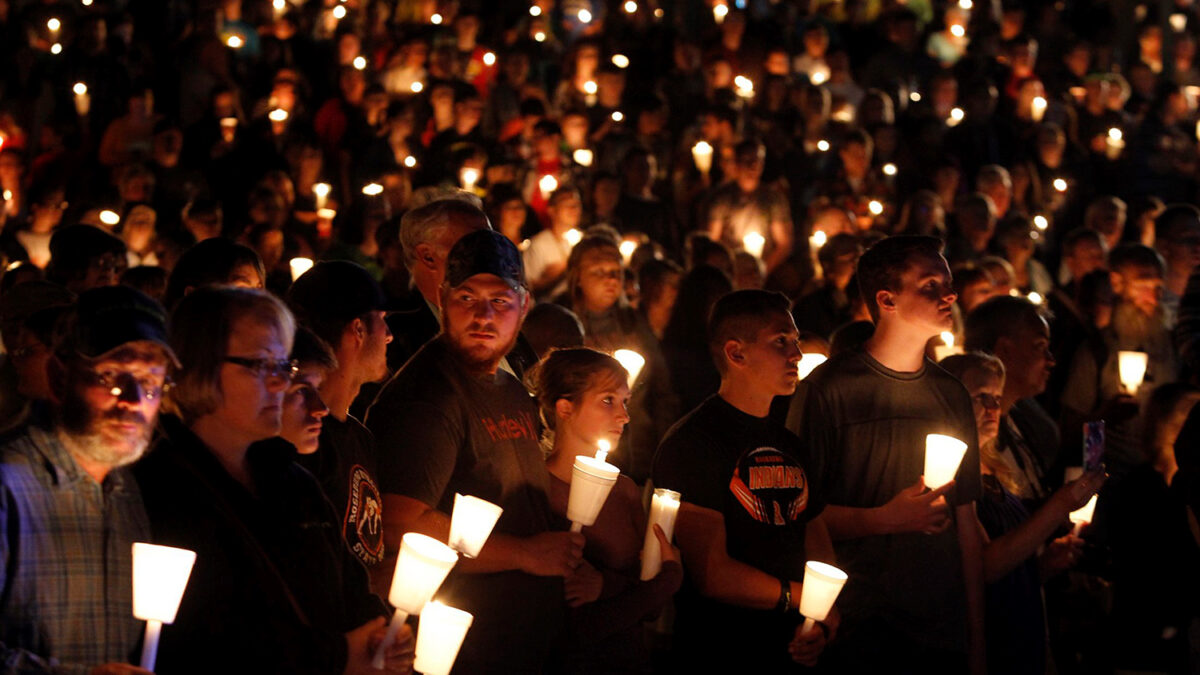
<point x="943" y="454"/>
<point x="591" y="481"/>
<point x="664" y="508"/>
<point x="822" y="584"/>
<point x="160" y="575"/>
<point x="421" y="567"/>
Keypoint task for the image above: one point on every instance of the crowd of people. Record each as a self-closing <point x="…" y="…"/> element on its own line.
<point x="283" y="277"/>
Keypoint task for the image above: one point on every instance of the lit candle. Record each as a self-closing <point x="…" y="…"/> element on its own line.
<point x="720" y="11"/>
<point x="325" y="222"/>
<point x="744" y="86"/>
<point x="410" y="161"/>
<point x="83" y="100"/>
<point x="603" y="447"/>
<point x="279" y="118"/>
<point x="809" y="363"/>
<point x="631" y="7"/>
<point x="436" y="19"/>
<point x="583" y="157"/>
<point x="360" y="63"/>
<point x="235" y="41"/>
<point x="754" y="243"/>
<point x="421" y="567"/>
<point x="439" y="637"/>
<point x="1041" y="222"/>
<point x="817" y="240"/>
<point x="416" y="87"/>
<point x="279" y="7"/>
<point x="1083" y="515"/>
<point x="589" y="92"/>
<point x="468" y="177"/>
<point x="540" y="36"/>
<point x="572" y="237"/>
<point x="1178" y="22"/>
<point x="228" y="128"/>
<point x="875" y="207"/>
<point x="620" y="60"/>
<point x="823" y="145"/>
<point x="819" y="74"/>
<point x="299" y="266"/>
<point x="53" y="25"/>
<point x="1035" y="297"/>
<point x="110" y="218"/>
<point x="321" y="192"/>
<point x="822" y="584"/>
<point x="339" y="12"/>
<point x="1037" y="108"/>
<point x="489" y="59"/>
<point x="160" y="575"/>
<point x="889" y="169"/>
<point x="1131" y="367"/>
<point x="547" y="184"/>
<point x="957" y="30"/>
<point x="1060" y="184"/>
<point x="943" y="454"/>
<point x="617" y="116"/>
<point x="956" y="116"/>
<point x="372" y="189"/>
<point x="471" y="524"/>
<point x="632" y="361"/>
<point x="628" y="246"/>
<point x="535" y="11"/>
<point x="56" y="48"/>
<point x="664" y="508"/>
<point x="584" y="16"/>
<point x="702" y="155"/>
<point x="947" y="348"/>
<point x="591" y="481"/>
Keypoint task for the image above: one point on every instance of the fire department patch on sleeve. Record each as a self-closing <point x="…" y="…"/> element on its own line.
<point x="363" y="524"/>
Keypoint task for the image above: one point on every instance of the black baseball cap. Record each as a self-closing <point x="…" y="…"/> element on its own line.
<point x="335" y="289"/>
<point x="485" y="252"/>
<point x="109" y="317"/>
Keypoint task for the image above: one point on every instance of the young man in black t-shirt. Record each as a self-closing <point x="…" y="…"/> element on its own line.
<point x="914" y="599"/>
<point x="748" y="521"/>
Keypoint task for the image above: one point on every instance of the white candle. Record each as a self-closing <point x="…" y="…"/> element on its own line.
<point x="943" y="454"/>
<point x="228" y="128"/>
<point x="664" y="508"/>
<point x="632" y="361"/>
<point x="589" y="92"/>
<point x="469" y="177"/>
<point x="300" y="266"/>
<point x="583" y="157"/>
<point x="547" y="184"/>
<point x="702" y="155"/>
<point x="1041" y="222"/>
<point x="817" y="240"/>
<point x="875" y="207"/>
<point x="809" y="363"/>
<point x="956" y="116"/>
<point x="1131" y="368"/>
<point x="83" y="100"/>
<point x="372" y="189"/>
<point x="110" y="218"/>
<point x="489" y="59"/>
<point x="822" y="584"/>
<point x="279" y="118"/>
<point x="321" y="192"/>
<point x="279" y="7"/>
<point x="439" y="637"/>
<point x="628" y="247"/>
<point x="1060" y="184"/>
<point x="947" y="348"/>
<point x="472" y="523"/>
<point x="603" y="447"/>
<point x="720" y="11"/>
<point x="1114" y="143"/>
<point x="591" y="481"/>
<point x="754" y="243"/>
<point x="160" y="575"/>
<point x="572" y="237"/>
<point x="744" y="86"/>
<point x="620" y="60"/>
<point x="421" y="567"/>
<point x="1037" y="108"/>
<point x="1083" y="515"/>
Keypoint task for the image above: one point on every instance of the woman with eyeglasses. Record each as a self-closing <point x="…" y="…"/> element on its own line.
<point x="1020" y="551"/>
<point x="273" y="589"/>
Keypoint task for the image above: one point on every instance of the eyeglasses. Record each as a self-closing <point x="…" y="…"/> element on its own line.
<point x="118" y="383"/>
<point x="264" y="368"/>
<point x="988" y="401"/>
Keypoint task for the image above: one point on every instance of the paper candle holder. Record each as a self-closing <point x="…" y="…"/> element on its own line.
<point x="160" y="576"/>
<point x="299" y="266"/>
<point x="591" y="481"/>
<point x="472" y="523"/>
<point x="1131" y="368"/>
<point x="822" y="584"/>
<point x="421" y="567"/>
<point x="439" y="637"/>
<point x="633" y="363"/>
<point x="809" y="363"/>
<point x="943" y="454"/>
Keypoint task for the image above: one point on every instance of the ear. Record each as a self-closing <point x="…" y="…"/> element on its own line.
<point x="563" y="408"/>
<point x="886" y="300"/>
<point x="733" y="352"/>
<point x="425" y="256"/>
<point x="356" y="332"/>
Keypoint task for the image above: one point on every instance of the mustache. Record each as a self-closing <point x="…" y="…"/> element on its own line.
<point x="482" y="328"/>
<point x="123" y="416"/>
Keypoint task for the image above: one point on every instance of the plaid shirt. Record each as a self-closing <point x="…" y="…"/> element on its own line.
<point x="67" y="586"/>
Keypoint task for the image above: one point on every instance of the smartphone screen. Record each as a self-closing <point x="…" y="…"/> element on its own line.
<point x="1093" y="446"/>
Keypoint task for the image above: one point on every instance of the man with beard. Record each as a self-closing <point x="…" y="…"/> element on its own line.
<point x="452" y="421"/>
<point x="1012" y="329"/>
<point x="1094" y="390"/>
<point x="71" y="512"/>
<point x="344" y="306"/>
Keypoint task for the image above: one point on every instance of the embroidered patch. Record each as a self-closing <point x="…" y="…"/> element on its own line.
<point x="363" y="525"/>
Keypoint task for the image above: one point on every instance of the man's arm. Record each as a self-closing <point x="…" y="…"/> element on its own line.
<point x="911" y="510"/>
<point x="970" y="542"/>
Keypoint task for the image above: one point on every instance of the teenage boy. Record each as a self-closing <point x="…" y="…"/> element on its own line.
<point x="915" y="599"/>
<point x="748" y="521"/>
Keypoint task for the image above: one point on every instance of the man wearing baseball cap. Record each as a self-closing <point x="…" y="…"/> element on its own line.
<point x="343" y="304"/>
<point x="452" y="421"/>
<point x="71" y="510"/>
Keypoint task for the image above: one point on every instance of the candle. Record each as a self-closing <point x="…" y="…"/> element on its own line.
<point x="1114" y="143"/>
<point x="875" y="207"/>
<point x="321" y="192"/>
<point x="889" y="169"/>
<point x="160" y="575"/>
<point x="591" y="481"/>
<point x="957" y="30"/>
<point x="436" y="19"/>
<point x="53" y="24"/>
<point x="744" y="86"/>
<point x="620" y="60"/>
<point x="1037" y="108"/>
<point x="1041" y="222"/>
<point x="947" y="348"/>
<point x="439" y="637"/>
<point x="535" y="11"/>
<point x="664" y="508"/>
<point x="56" y="48"/>
<point x="410" y="161"/>
<point x="702" y="155"/>
<point x="822" y="584"/>
<point x="110" y="218"/>
<point x="823" y="145"/>
<point x="754" y="243"/>
<point x="627" y="247"/>
<point x="1131" y="367"/>
<point x="83" y="100"/>
<point x="360" y="63"/>
<point x="547" y="184"/>
<point x="809" y="363"/>
<point x="235" y="41"/>
<point x="589" y="93"/>
<point x="617" y="116"/>
<point x="416" y="87"/>
<point x="299" y="266"/>
<point x="819" y="74"/>
<point x="421" y="567"/>
<point x="630" y="7"/>
<point x="720" y="11"/>
<point x="956" y="116"/>
<point x="603" y="447"/>
<point x="228" y="128"/>
<point x="279" y="7"/>
<point x="489" y="59"/>
<point x="471" y="524"/>
<point x="339" y="12"/>
<point x="1178" y="22"/>
<point x="632" y="361"/>
<point x="583" y="157"/>
<point x="372" y="189"/>
<point x="572" y="237"/>
<point x="584" y="16"/>
<point x="943" y="454"/>
<point x="468" y="177"/>
<point x="1060" y="184"/>
<point x="325" y="222"/>
<point x="540" y="36"/>
<point x="1082" y="516"/>
<point x="279" y="118"/>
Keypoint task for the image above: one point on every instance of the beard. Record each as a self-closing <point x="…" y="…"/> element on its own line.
<point x="1133" y="327"/>
<point x="84" y="427"/>
<point x="481" y="359"/>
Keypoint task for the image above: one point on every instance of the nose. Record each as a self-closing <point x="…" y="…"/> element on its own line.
<point x="949" y="296"/>
<point x="387" y="334"/>
<point x="623" y="415"/>
<point x="484" y="310"/>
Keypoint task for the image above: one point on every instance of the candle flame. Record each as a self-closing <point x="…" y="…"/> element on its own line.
<point x="602" y="449"/>
<point x="948" y="338"/>
<point x="80" y="89"/>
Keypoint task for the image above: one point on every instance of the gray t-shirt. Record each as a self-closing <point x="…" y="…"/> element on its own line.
<point x="866" y="426"/>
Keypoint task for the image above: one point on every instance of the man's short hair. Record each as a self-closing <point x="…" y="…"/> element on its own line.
<point x="881" y="266"/>
<point x="1173" y="220"/>
<point x="1078" y="236"/>
<point x="990" y="175"/>
<point x="199" y="333"/>
<point x="994" y="318"/>
<point x="310" y="350"/>
<point x="563" y="192"/>
<point x="1126" y="256"/>
<point x="422" y="224"/>
<point x="740" y="315"/>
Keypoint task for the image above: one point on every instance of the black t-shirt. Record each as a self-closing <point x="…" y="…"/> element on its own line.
<point x="345" y="465"/>
<point x="866" y="427"/>
<point x="753" y="472"/>
<point x="439" y="431"/>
